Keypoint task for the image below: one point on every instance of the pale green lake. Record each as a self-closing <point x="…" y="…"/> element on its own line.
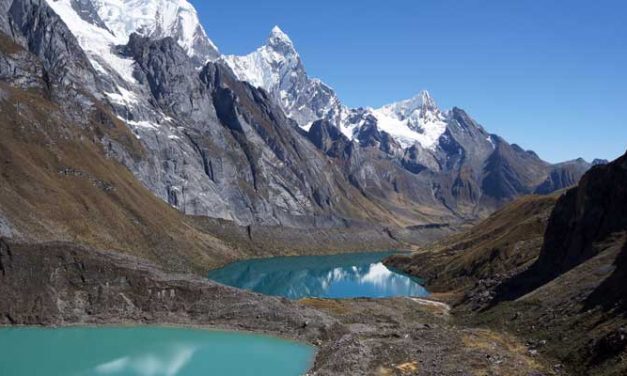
<point x="147" y="351"/>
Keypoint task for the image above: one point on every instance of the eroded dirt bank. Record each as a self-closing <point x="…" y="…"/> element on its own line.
<point x="59" y="284"/>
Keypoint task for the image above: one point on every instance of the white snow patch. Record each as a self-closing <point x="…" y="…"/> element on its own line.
<point x="140" y="124"/>
<point x="399" y="129"/>
<point x="95" y="41"/>
<point x="143" y="124"/>
<point x="489" y="139"/>
<point x="123" y="97"/>
<point x="155" y="18"/>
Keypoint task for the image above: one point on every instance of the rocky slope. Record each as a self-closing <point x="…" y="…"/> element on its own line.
<point x="593" y="213"/>
<point x="566" y="293"/>
<point x="58" y="182"/>
<point x="218" y="147"/>
<point x="211" y="145"/>
<point x="469" y="171"/>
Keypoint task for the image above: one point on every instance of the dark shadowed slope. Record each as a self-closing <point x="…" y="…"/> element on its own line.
<point x="584" y="217"/>
<point x="570" y="303"/>
<point x="508" y="240"/>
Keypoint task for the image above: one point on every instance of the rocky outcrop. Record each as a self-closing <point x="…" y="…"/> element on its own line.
<point x="587" y="214"/>
<point x="583" y="219"/>
<point x="330" y="140"/>
<point x="553" y="273"/>
<point x="35" y="26"/>
<point x="20" y="68"/>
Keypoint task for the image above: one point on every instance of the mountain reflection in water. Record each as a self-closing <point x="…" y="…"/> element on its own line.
<point x="337" y="276"/>
<point x="147" y="351"/>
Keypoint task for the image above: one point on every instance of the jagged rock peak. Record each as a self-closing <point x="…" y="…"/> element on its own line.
<point x="278" y="37"/>
<point x="417" y="119"/>
<point x="426" y="99"/>
<point x="423" y="100"/>
<point x="270" y="65"/>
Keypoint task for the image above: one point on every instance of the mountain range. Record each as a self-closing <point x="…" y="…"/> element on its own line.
<point x="135" y="156"/>
<point x="253" y="139"/>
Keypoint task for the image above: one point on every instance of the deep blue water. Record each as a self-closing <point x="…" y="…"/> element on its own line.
<point x="147" y="351"/>
<point x="337" y="276"/>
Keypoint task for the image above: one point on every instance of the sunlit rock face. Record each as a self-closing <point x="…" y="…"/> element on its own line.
<point x="339" y="276"/>
<point x="253" y="139"/>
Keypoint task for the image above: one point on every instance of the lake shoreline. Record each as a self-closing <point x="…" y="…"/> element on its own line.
<point x="141" y="349"/>
<point x="341" y="276"/>
<point x="59" y="284"/>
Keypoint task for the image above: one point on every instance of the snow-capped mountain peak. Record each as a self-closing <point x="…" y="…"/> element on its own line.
<point x="277" y="68"/>
<point x="158" y="18"/>
<point x="266" y="66"/>
<point x="404" y="108"/>
<point x="417" y="119"/>
<point x="100" y="25"/>
<point x="278" y="38"/>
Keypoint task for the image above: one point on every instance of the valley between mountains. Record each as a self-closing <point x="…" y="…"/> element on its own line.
<point x="135" y="157"/>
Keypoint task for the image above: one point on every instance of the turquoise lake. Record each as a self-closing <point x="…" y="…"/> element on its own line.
<point x="147" y="351"/>
<point x="337" y="276"/>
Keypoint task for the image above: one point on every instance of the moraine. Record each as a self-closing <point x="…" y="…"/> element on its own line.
<point x="337" y="276"/>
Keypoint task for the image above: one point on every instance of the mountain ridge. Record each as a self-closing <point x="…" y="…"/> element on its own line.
<point x="213" y="145"/>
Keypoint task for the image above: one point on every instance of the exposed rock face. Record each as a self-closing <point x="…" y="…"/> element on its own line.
<point x="330" y="140"/>
<point x="33" y="25"/>
<point x="215" y="146"/>
<point x="511" y="171"/>
<point x="587" y="221"/>
<point x="585" y="215"/>
<point x="20" y="68"/>
<point x="470" y="171"/>
<point x="278" y="68"/>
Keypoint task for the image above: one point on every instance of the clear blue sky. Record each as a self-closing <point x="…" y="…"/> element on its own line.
<point x="550" y="75"/>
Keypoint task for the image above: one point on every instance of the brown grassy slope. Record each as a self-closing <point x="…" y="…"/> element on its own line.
<point x="57" y="184"/>
<point x="571" y="303"/>
<point x="574" y="297"/>
<point x="506" y="241"/>
<point x="559" y="319"/>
